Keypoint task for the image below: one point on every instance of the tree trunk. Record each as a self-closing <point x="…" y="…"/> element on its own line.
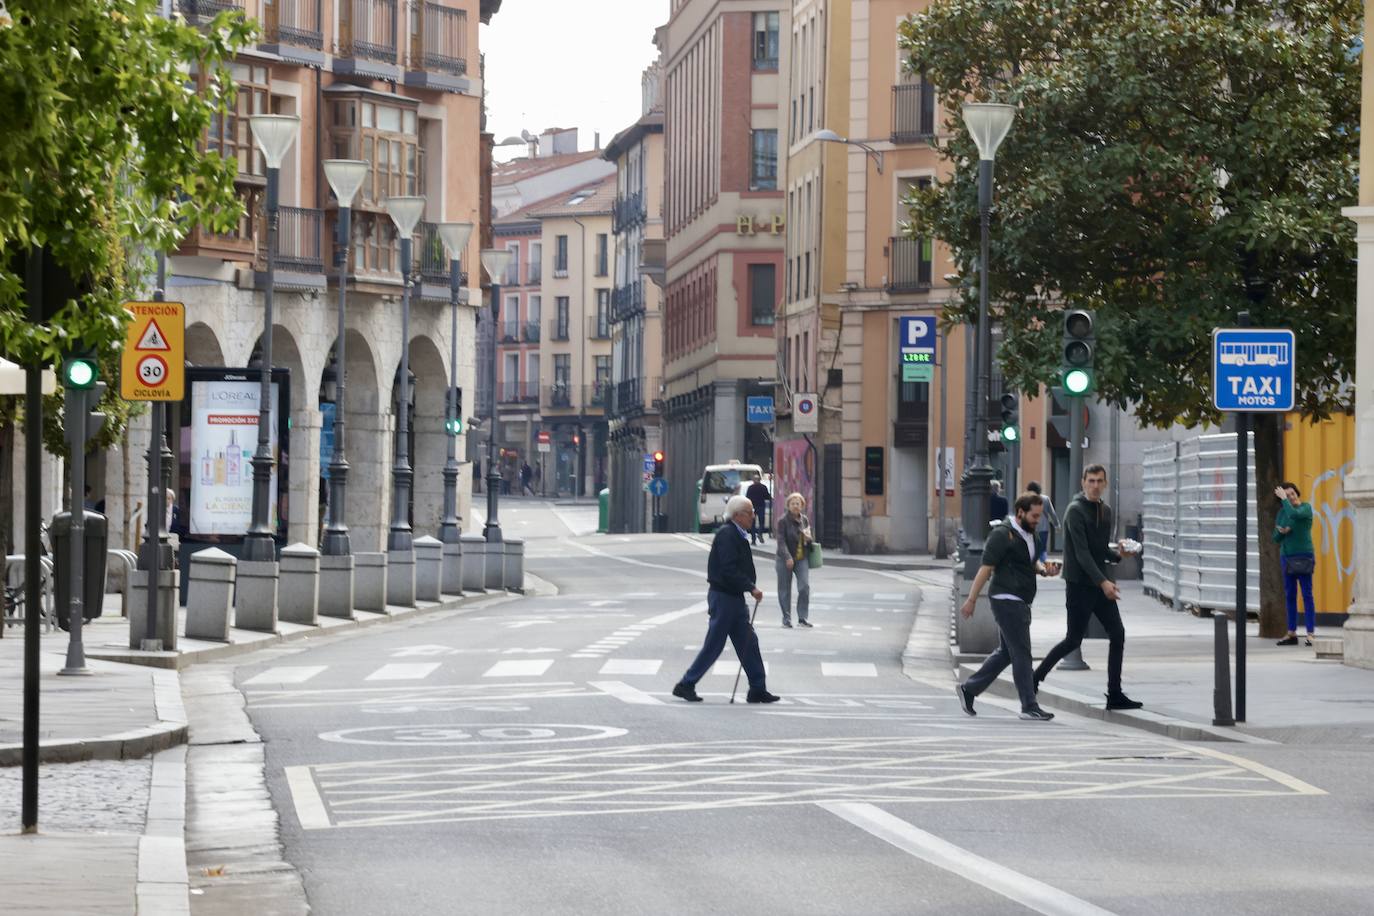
<point x="1273" y="616"/>
<point x="7" y="485"/>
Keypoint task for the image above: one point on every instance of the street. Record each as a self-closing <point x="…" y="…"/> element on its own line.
<point x="526" y="755"/>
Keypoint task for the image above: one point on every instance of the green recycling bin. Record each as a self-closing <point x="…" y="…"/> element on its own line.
<point x="603" y="511"/>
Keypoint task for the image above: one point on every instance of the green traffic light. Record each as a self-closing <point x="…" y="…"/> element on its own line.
<point x="454" y="427"/>
<point x="1010" y="434"/>
<point x="1078" y="381"/>
<point x="79" y="373"/>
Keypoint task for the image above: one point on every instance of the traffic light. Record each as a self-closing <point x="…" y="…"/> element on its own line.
<point x="1010" y="418"/>
<point x="658" y="463"/>
<point x="82" y="421"/>
<point x="79" y="373"/>
<point x="1076" y="369"/>
<point x="454" y="426"/>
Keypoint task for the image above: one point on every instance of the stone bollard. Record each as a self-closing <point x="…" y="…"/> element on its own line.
<point x="166" y="609"/>
<point x="369" y="582"/>
<point x="336" y="587"/>
<point x="255" y="596"/>
<point x="494" y="566"/>
<point x="513" y="571"/>
<point x="400" y="577"/>
<point x="474" y="563"/>
<point x="976" y="635"/>
<point x="298" y="588"/>
<point x="429" y="568"/>
<point x="210" y="594"/>
<point x="452" y="577"/>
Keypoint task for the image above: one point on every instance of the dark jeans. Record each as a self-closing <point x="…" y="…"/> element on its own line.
<point x="1014" y="648"/>
<point x="729" y="619"/>
<point x="1042" y="545"/>
<point x="760" y="526"/>
<point x="1291" y="584"/>
<point x="1083" y="600"/>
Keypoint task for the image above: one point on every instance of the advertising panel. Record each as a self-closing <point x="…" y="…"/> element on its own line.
<point x="794" y="472"/>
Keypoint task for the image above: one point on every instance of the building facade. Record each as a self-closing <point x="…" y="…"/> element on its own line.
<point x="724" y="226"/>
<point x="396" y="85"/>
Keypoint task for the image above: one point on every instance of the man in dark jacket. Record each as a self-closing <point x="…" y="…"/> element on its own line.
<point x="758" y="495"/>
<point x="730" y="572"/>
<point x="1009" y="561"/>
<point x="1088" y="590"/>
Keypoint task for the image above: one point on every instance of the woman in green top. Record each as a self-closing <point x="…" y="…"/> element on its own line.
<point x="1293" y="531"/>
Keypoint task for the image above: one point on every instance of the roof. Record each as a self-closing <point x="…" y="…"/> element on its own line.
<point x="526" y="214"/>
<point x="595" y="199"/>
<point x="520" y="169"/>
<point x="651" y="123"/>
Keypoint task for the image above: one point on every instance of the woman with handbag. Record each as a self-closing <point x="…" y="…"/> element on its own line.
<point x="793" y="537"/>
<point x="1293" y="532"/>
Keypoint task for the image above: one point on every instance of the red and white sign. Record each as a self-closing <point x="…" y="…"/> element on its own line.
<point x="152" y="371"/>
<point x="545" y="437"/>
<point x="806" y="414"/>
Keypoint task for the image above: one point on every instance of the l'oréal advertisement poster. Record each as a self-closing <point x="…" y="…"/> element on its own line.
<point x="224" y="435"/>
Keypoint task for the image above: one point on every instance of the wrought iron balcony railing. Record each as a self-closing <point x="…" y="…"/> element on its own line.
<point x="367" y="29"/>
<point x="913" y="112"/>
<point x="294" y="22"/>
<point x="300" y="244"/>
<point x="442" y="39"/>
<point x="908" y="265"/>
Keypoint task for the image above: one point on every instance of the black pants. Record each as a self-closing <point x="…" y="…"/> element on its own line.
<point x="729" y="616"/>
<point x="1013" y="648"/>
<point x="1084" y="600"/>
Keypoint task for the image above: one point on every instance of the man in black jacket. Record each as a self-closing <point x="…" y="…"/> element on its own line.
<point x="730" y="572"/>
<point x="1009" y="561"/>
<point x="758" y="495"/>
<point x="1088" y="591"/>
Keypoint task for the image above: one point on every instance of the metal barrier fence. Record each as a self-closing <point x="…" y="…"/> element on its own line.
<point x="1190" y="524"/>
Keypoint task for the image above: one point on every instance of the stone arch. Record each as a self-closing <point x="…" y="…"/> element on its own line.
<point x="431" y="441"/>
<point x="366" y="445"/>
<point x="301" y="457"/>
<point x="203" y="346"/>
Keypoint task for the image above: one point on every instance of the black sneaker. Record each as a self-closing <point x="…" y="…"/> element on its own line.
<point x="965" y="701"/>
<point x="1036" y="715"/>
<point x="787" y="624"/>
<point x="687" y="692"/>
<point x="761" y="696"/>
<point x="1121" y="701"/>
<point x="1287" y="641"/>
<point x="807" y="624"/>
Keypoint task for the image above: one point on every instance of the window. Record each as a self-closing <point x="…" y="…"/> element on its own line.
<point x="536" y="308"/>
<point x="603" y="312"/>
<point x="560" y="256"/>
<point x="229" y="133"/>
<point x="536" y="262"/>
<point x="763" y="167"/>
<point x="765" y="41"/>
<point x="562" y="380"/>
<point x="513" y="270"/>
<point x="603" y="373"/>
<point x="762" y="293"/>
<point x="560" y="331"/>
<point x="602" y="260"/>
<point x="386" y="136"/>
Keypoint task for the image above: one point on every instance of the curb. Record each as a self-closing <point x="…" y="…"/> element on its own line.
<point x="163" y="885"/>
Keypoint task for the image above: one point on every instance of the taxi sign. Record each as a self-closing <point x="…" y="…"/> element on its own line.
<point x="153" y="367"/>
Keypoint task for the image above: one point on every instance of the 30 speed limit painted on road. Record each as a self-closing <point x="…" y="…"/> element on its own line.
<point x="152" y="370"/>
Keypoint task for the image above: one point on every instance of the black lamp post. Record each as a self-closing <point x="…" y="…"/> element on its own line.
<point x="988" y="123"/>
<point x="495" y="260"/>
<point x="273" y="135"/>
<point x="405" y="213"/>
<point x="455" y="237"/>
<point x="345" y="178"/>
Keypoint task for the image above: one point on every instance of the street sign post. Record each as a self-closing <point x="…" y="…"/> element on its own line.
<point x="916" y="349"/>
<point x="154" y="362"/>
<point x="658" y="486"/>
<point x="545" y="442"/>
<point x="759" y="409"/>
<point x="806" y="414"/>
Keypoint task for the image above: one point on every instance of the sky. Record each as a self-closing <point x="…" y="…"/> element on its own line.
<point x="567" y="63"/>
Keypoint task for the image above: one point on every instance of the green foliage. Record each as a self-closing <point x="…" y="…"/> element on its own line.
<point x="1172" y="163"/>
<point x="100" y="157"/>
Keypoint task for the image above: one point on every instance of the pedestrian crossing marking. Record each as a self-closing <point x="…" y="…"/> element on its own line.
<point x="403" y="671"/>
<point x="849" y="669"/>
<point x="625" y="693"/>
<point x="531" y="667"/>
<point x="287" y="674"/>
<point x="647" y="666"/>
<point x="729" y="669"/>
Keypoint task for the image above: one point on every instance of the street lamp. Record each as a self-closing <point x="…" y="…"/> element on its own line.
<point x="495" y="260"/>
<point x="273" y="135"/>
<point x="826" y="135"/>
<point x="455" y="237"/>
<point x="405" y="213"/>
<point x="988" y="122"/>
<point x="345" y="177"/>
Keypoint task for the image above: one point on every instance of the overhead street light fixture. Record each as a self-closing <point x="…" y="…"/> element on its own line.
<point x="826" y="135"/>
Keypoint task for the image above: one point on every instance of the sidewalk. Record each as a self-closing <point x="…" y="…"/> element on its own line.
<point x="1292" y="697"/>
<point x="102" y="801"/>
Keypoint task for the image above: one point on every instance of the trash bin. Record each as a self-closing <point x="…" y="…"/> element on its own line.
<point x="93" y="586"/>
<point x="603" y="511"/>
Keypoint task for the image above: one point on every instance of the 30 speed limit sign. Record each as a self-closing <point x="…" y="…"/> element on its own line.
<point x="152" y="370"/>
<point x="154" y="363"/>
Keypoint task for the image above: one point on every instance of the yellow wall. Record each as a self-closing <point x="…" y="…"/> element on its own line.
<point x="1317" y="457"/>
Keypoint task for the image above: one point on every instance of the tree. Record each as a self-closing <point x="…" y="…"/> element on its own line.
<point x="1172" y="163"/>
<point x="103" y="161"/>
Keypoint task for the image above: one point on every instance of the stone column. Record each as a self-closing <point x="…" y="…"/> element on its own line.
<point x="303" y="499"/>
<point x="1359" y="484"/>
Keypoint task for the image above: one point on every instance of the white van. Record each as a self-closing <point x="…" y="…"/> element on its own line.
<point x="719" y="482"/>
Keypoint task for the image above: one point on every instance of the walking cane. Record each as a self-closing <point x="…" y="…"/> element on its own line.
<point x="741" y="664"/>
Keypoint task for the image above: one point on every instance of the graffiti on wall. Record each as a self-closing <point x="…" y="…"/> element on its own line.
<point x="1334" y="519"/>
<point x="794" y="471"/>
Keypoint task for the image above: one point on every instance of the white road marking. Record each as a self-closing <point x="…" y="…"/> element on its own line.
<point x="1033" y="894"/>
<point x="403" y="672"/>
<point x="889" y="596"/>
<point x="421" y="651"/>
<point x="310" y="810"/>
<point x="532" y="667"/>
<point x="849" y="669"/>
<point x="585" y="655"/>
<point x="625" y="693"/>
<point x="632" y="666"/>
<point x="603" y="603"/>
<point x="694" y="573"/>
<point x="729" y="668"/>
<point x="287" y="674"/>
<point x="669" y="617"/>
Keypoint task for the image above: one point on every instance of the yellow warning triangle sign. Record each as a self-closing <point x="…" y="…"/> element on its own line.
<point x="153" y="338"/>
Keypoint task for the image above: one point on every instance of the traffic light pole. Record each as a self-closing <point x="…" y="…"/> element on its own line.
<point x="152" y="545"/>
<point x="1074" y="660"/>
<point x="77" y="407"/>
<point x="451" y="528"/>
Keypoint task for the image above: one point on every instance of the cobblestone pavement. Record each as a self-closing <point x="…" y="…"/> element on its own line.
<point x="96" y="796"/>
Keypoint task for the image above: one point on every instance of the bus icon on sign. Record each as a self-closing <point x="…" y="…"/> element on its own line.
<point x="1245" y="353"/>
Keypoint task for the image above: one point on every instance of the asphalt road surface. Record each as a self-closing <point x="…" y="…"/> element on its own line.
<point x="526" y="756"/>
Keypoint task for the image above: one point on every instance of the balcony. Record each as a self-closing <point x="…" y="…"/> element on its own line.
<point x="596" y="396"/>
<point x="628" y="212"/>
<point x="300" y="249"/>
<point x="532" y="332"/>
<point x="599" y="328"/>
<point x="510" y="332"/>
<point x="199" y="12"/>
<point x="291" y="29"/>
<point x="560" y="272"/>
<point x="367" y="39"/>
<point x="913" y="112"/>
<point x="558" y="330"/>
<point x="438" y="48"/>
<point x="534" y="275"/>
<point x="558" y="396"/>
<point x="908" y="265"/>
<point x="633" y="397"/>
<point x="627" y="301"/>
<point x="518" y="392"/>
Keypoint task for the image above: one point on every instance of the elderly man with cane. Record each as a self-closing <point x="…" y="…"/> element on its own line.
<point x="730" y="572"/>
